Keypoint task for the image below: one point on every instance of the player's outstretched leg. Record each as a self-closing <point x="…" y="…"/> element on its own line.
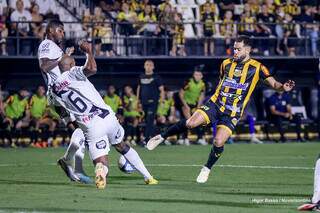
<point x="78" y="167"/>
<point x="134" y="159"/>
<point x="223" y="133"/>
<point x="66" y="162"/>
<point x="315" y="201"/>
<point x="101" y="171"/>
<point x="183" y="125"/>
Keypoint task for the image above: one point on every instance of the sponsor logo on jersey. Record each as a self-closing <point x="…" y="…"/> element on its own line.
<point x="237" y="72"/>
<point x="101" y="144"/>
<point x="206" y="108"/>
<point x="234" y="121"/>
<point x="146" y="80"/>
<point x="234" y="85"/>
<point x="60" y="86"/>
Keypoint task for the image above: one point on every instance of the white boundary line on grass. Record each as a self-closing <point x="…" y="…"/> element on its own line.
<point x="179" y="165"/>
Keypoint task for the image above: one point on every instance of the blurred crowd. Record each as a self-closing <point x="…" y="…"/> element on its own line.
<point x="143" y="109"/>
<point x="286" y="25"/>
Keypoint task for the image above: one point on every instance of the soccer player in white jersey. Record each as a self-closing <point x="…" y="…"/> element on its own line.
<point x="314" y="205"/>
<point x="98" y="122"/>
<point x="49" y="54"/>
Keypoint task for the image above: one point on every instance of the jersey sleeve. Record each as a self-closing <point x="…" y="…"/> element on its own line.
<point x="76" y="73"/>
<point x="264" y="72"/>
<point x="49" y="50"/>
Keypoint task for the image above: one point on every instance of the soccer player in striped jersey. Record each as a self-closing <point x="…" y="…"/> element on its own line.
<point x="238" y="78"/>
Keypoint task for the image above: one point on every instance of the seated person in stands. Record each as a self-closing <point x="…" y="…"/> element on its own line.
<point x="132" y="115"/>
<point x="166" y="112"/>
<point x="115" y="102"/>
<point x="17" y="114"/>
<point x="280" y="111"/>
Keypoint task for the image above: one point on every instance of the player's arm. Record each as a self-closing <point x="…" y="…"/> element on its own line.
<point x="138" y="92"/>
<point x="181" y="95"/>
<point x="161" y="88"/>
<point x="265" y="74"/>
<point x="90" y="67"/>
<point x="276" y="112"/>
<point x="47" y="64"/>
<point x="287" y="86"/>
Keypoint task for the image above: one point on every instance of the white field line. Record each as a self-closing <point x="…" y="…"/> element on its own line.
<point x="175" y="165"/>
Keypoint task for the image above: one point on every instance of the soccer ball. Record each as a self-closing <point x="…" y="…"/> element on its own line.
<point x="125" y="166"/>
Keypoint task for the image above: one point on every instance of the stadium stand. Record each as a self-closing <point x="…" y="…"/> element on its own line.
<point x="285" y="35"/>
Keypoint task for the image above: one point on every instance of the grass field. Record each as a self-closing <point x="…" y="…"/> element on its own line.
<point x="31" y="182"/>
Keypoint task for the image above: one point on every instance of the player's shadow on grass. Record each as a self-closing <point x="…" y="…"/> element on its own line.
<point x="49" y="209"/>
<point x="5" y="182"/>
<point x="197" y="202"/>
<point x="264" y="194"/>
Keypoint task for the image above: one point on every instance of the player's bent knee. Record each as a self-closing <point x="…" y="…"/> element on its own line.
<point x="219" y="141"/>
<point x="122" y="148"/>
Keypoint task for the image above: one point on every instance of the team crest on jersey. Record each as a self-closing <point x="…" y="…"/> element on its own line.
<point x="101" y="144"/>
<point x="237" y="72"/>
<point x="234" y="121"/>
<point x="204" y="108"/>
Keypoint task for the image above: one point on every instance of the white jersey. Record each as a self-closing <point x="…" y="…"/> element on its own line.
<point x="49" y="49"/>
<point x="79" y="97"/>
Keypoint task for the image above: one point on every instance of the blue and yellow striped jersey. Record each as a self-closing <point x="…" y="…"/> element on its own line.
<point x="237" y="82"/>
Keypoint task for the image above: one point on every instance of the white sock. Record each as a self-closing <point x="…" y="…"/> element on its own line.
<point x="78" y="159"/>
<point x="134" y="159"/>
<point x="316" y="189"/>
<point x="74" y="145"/>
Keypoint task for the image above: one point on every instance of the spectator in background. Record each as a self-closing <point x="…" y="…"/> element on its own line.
<point x="280" y="111"/>
<point x="13" y="4"/>
<point x="45" y="6"/>
<point x="279" y="30"/>
<point x="17" y="113"/>
<point x="132" y="115"/>
<point x="265" y="29"/>
<point x="3" y="35"/>
<point x="86" y="24"/>
<point x="248" y="22"/>
<point x="22" y="29"/>
<point x="166" y="112"/>
<point x="254" y="6"/>
<point x="3" y="28"/>
<point x="114" y="101"/>
<point x="147" y="27"/>
<point x="150" y="89"/>
<point x="291" y="7"/>
<point x="291" y="34"/>
<point x="213" y="8"/>
<point x="228" y="30"/>
<point x="309" y="28"/>
<point x="270" y="6"/>
<point x="105" y="34"/>
<point x="178" y="42"/>
<point x="37" y="26"/>
<point x="38" y="104"/>
<point x="127" y="19"/>
<point x="147" y="20"/>
<point x="98" y="18"/>
<point x="191" y="97"/>
<point x="210" y="28"/>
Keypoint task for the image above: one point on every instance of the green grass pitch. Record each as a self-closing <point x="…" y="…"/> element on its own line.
<point x="281" y="175"/>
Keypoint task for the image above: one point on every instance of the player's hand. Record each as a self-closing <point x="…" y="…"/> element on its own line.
<point x="85" y="46"/>
<point x="288" y="86"/>
<point x="69" y="51"/>
<point x="287" y="115"/>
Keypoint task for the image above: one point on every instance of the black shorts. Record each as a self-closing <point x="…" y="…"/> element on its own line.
<point x="106" y="47"/>
<point x="212" y="114"/>
<point x="208" y="33"/>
